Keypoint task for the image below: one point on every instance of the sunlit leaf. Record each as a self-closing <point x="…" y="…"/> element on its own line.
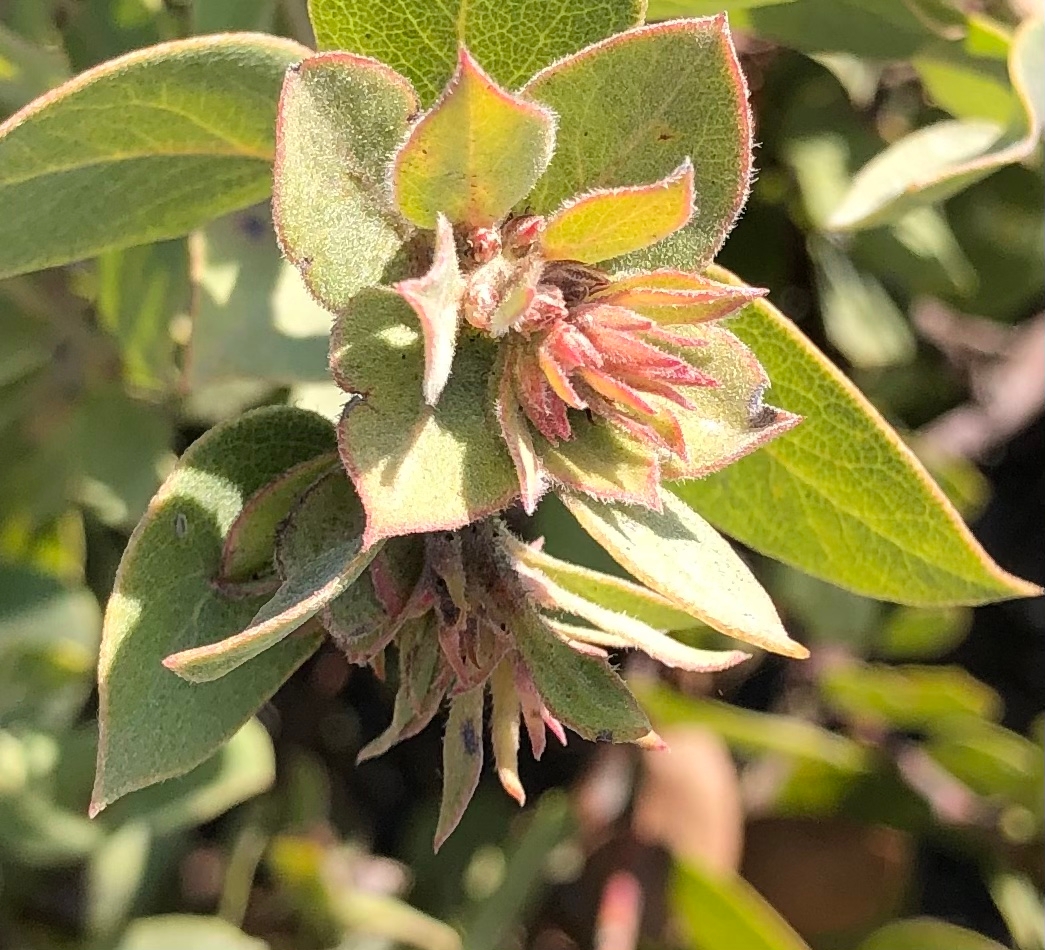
<point x="421" y="39"/>
<point x="76" y="181"/>
<point x="164" y="599"/>
<point x="476" y="153"/>
<point x="645" y="127"/>
<point x="680" y="556"/>
<point x="415" y="468"/>
<point x="899" y="541"/>
<point x="341" y="118"/>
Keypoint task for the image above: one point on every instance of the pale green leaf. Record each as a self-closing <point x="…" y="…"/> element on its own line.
<point x="146" y="147"/>
<point x="341" y="119"/>
<point x="221" y="16"/>
<point x="178" y="931"/>
<point x="462" y="760"/>
<point x="670" y="9"/>
<point x="164" y="600"/>
<point x="300" y="597"/>
<point x="723" y="910"/>
<point x="611" y="592"/>
<point x="476" y="153"/>
<point x="935" y="162"/>
<point x="141" y="290"/>
<point x="610" y="222"/>
<point x="421" y="39"/>
<point x="436" y="299"/>
<point x="680" y="556"/>
<point x="415" y="468"/>
<point x="754" y="733"/>
<point x="27" y="70"/>
<point x="645" y="126"/>
<point x="926" y="934"/>
<point x="254" y="320"/>
<point x="806" y="499"/>
<point x="581" y="691"/>
<point x="908" y="697"/>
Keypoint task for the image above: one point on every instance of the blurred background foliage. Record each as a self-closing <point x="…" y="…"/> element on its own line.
<point x="885" y="795"/>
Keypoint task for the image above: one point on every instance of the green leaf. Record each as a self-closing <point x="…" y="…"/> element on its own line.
<point x="304" y="594"/>
<point x="341" y="119"/>
<point x="164" y="599"/>
<point x="254" y="319"/>
<point x="251" y="541"/>
<point x="436" y="299"/>
<point x="725" y="911"/>
<point x="75" y="183"/>
<point x="680" y="556"/>
<point x="48" y="640"/>
<point x="940" y="160"/>
<point x="926" y="934"/>
<point x="462" y="760"/>
<point x="908" y="697"/>
<point x="140" y="292"/>
<point x="610" y="222"/>
<point x="221" y="16"/>
<point x="476" y="153"/>
<point x="611" y="592"/>
<point x="911" y="633"/>
<point x="670" y="9"/>
<point x="421" y="39"/>
<point x="754" y="733"/>
<point x="644" y="127"/>
<point x="177" y="931"/>
<point x="581" y="691"/>
<point x="415" y="468"/>
<point x="805" y="499"/>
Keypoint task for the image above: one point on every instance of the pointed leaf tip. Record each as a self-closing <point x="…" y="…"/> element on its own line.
<point x="436" y="299"/>
<point x="474" y="154"/>
<point x="609" y="222"/>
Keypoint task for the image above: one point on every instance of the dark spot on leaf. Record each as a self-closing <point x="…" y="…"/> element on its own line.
<point x="305" y="264"/>
<point x="761" y="416"/>
<point x="181" y="525"/>
<point x="294" y="68"/>
<point x="469" y="739"/>
<point x="606" y="735"/>
<point x="665" y="137"/>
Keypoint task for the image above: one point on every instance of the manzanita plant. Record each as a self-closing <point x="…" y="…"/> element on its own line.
<point x="512" y="216"/>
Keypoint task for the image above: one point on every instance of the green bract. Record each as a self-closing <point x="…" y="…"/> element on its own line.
<point x="511" y="218"/>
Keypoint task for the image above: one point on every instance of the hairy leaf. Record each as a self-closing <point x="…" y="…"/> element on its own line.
<point x="251" y="541"/>
<point x="665" y="93"/>
<point x="436" y="299"/>
<point x="677" y="297"/>
<point x="871" y="518"/>
<point x="476" y="153"/>
<point x="610" y="222"/>
<point x="504" y="729"/>
<point x="580" y="690"/>
<point x="164" y="599"/>
<point x="415" y="468"/>
<point x="142" y="148"/>
<point x="341" y="118"/>
<point x="462" y="760"/>
<point x="421" y="39"/>
<point x="300" y="597"/>
<point x="680" y="556"/>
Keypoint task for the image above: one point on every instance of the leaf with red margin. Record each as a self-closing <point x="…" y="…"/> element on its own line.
<point x="516" y="434"/>
<point x="476" y="153"/>
<point x="672" y="297"/>
<point x="341" y="118"/>
<point x="154" y="725"/>
<point x="679" y="555"/>
<point x="603" y="463"/>
<point x="415" y="469"/>
<point x="436" y="299"/>
<point x="842" y="497"/>
<point x="664" y="93"/>
<point x="609" y="222"/>
<point x="729" y="420"/>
